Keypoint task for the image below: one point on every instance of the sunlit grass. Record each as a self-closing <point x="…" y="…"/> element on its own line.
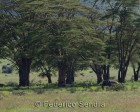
<point x="126" y="101"/>
<point x="85" y="89"/>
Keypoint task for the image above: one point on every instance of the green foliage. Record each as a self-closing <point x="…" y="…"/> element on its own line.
<point x="19" y="33"/>
<point x="18" y="93"/>
<point x="117" y="87"/>
<point x="63" y="31"/>
<point x="39" y="91"/>
<point x="72" y="90"/>
<point x="13" y="84"/>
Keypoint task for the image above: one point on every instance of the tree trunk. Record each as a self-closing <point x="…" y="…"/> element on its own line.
<point x="61" y="75"/>
<point x="106" y="72"/>
<point x="99" y="78"/>
<point x="48" y="74"/>
<point x="49" y="79"/>
<point x="124" y="63"/>
<point x="136" y="76"/>
<point x="119" y="77"/>
<point x="136" y="72"/>
<point x="97" y="69"/>
<point x="122" y="74"/>
<point x="70" y="76"/>
<point x="24" y="71"/>
<point x="99" y="72"/>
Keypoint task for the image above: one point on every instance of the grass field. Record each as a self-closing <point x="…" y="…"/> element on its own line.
<point x="83" y="96"/>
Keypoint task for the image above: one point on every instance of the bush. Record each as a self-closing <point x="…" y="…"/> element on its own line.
<point x="116" y="87"/>
<point x="72" y="90"/>
<point x="18" y="93"/>
<point x="82" y="74"/>
<point x="98" y="89"/>
<point x="134" y="87"/>
<point x="91" y="90"/>
<point x="13" y="84"/>
<point x="90" y="71"/>
<point x="39" y="91"/>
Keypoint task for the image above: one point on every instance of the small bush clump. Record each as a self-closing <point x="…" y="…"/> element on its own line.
<point x="13" y="84"/>
<point x="72" y="90"/>
<point x="134" y="87"/>
<point x="98" y="89"/>
<point x="18" y="93"/>
<point x="116" y="87"/>
<point x="39" y="91"/>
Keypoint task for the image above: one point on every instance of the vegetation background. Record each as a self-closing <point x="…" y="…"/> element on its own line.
<point x="64" y="51"/>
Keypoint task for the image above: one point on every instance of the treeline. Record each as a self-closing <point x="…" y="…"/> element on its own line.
<point x="70" y="35"/>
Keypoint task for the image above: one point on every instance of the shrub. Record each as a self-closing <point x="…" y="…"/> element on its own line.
<point x="18" y="93"/>
<point x="98" y="89"/>
<point x="39" y="91"/>
<point x="72" y="90"/>
<point x="134" y="87"/>
<point x="116" y="87"/>
<point x="90" y="71"/>
<point x="13" y="84"/>
<point x="91" y="90"/>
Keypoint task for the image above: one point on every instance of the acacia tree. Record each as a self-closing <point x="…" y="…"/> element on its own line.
<point x="126" y="36"/>
<point x="20" y="35"/>
<point x="135" y="59"/>
<point x="105" y="29"/>
<point x="42" y="65"/>
<point x="61" y="29"/>
<point x="70" y="32"/>
<point x="123" y="37"/>
<point x="136" y="67"/>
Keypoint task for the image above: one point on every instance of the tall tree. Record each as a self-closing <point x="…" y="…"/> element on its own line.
<point x="21" y="34"/>
<point x="70" y="33"/>
<point x="123" y="37"/>
<point x="126" y="36"/>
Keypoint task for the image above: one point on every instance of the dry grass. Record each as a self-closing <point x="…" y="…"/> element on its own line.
<point x="23" y="100"/>
<point x="122" y="101"/>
